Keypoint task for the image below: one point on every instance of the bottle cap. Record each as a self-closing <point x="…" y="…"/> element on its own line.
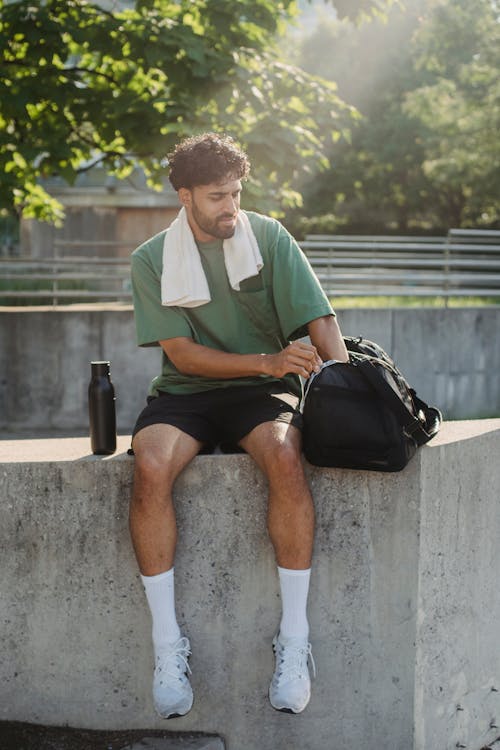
<point x="100" y="367"/>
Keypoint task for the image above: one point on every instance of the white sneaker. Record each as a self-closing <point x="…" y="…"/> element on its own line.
<point x="172" y="693"/>
<point x="290" y="688"/>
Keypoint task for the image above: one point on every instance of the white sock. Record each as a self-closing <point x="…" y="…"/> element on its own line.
<point x="294" y="590"/>
<point x="161" y="599"/>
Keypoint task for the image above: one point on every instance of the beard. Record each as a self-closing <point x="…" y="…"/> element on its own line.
<point x="213" y="227"/>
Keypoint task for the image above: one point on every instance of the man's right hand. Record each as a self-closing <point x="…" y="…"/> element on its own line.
<point x="298" y="358"/>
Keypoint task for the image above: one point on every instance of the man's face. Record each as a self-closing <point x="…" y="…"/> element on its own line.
<point x="212" y="209"/>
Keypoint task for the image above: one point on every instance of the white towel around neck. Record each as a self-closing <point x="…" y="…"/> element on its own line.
<point x="183" y="280"/>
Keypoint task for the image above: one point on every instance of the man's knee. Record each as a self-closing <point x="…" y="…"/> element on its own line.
<point x="161" y="452"/>
<point x="285" y="458"/>
<point x="150" y="467"/>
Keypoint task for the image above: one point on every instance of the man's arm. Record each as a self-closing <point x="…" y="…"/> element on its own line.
<point x="326" y="337"/>
<point x="191" y="358"/>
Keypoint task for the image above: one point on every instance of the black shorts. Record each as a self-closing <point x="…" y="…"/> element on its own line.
<point x="222" y="416"/>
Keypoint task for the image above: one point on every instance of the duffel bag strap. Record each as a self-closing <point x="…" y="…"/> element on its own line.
<point x="411" y="424"/>
<point x="433" y="417"/>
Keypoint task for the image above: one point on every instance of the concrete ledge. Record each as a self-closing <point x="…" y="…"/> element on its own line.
<point x="404" y="599"/>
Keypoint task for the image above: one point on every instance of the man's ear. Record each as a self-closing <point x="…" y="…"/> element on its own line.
<point x="184" y="196"/>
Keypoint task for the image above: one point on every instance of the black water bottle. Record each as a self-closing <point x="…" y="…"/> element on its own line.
<point x="102" y="414"/>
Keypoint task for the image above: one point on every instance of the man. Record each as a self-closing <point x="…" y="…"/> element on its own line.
<point x="224" y="292"/>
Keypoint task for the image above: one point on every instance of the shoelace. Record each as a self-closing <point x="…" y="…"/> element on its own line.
<point x="293" y="661"/>
<point x="175" y="661"/>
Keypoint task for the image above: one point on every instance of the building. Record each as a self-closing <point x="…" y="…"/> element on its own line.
<point x="105" y="217"/>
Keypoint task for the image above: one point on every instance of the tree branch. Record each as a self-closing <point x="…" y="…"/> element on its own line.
<point x="77" y="69"/>
<point x="98" y="160"/>
<point x="62" y="71"/>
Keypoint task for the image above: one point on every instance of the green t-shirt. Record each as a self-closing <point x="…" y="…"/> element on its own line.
<point x="270" y="309"/>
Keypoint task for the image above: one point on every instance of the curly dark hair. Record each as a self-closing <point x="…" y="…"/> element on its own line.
<point x="206" y="158"/>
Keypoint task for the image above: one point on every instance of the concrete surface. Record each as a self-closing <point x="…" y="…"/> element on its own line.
<point x="404" y="603"/>
<point x="45" y="356"/>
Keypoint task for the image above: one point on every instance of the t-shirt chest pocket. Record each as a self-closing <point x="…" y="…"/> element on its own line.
<point x="253" y="284"/>
<point x="256" y="300"/>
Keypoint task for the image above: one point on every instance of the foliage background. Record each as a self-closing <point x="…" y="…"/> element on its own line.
<point x="425" y="153"/>
<point x="381" y="118"/>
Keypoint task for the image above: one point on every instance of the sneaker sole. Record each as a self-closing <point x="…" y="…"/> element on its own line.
<point x="286" y="711"/>
<point x="173" y="716"/>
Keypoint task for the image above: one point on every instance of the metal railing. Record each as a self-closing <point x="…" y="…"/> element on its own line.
<point x="463" y="263"/>
<point x="57" y="280"/>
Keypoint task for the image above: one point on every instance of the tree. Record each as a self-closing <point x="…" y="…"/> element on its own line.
<point x="424" y="154"/>
<point x="80" y="85"/>
<point x="375" y="181"/>
<point x="458" y="44"/>
<point x="356" y="10"/>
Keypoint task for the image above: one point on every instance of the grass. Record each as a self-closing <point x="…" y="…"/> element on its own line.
<point x="30" y="285"/>
<point x="343" y="303"/>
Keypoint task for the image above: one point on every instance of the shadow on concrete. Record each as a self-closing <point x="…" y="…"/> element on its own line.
<point x="20" y="736"/>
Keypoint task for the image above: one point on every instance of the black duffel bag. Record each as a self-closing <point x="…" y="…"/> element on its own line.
<point x="362" y="414"/>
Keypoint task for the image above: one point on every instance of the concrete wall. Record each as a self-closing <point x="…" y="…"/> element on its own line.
<point x="45" y="366"/>
<point x="451" y="357"/>
<point x="404" y="603"/>
<point x="457" y="673"/>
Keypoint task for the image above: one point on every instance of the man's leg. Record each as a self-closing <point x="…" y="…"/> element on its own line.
<point x="161" y="453"/>
<point x="276" y="447"/>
